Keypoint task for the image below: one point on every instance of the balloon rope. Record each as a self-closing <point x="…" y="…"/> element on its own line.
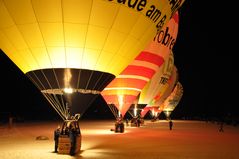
<point x="78" y="80"/>
<point x="98" y="81"/>
<point x="103" y="86"/>
<point x="113" y="110"/>
<point x="131" y="114"/>
<point x="55" y="106"/>
<point x="89" y="79"/>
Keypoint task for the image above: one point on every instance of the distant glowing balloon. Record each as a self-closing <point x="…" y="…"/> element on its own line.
<point x="172" y="100"/>
<point x="164" y="91"/>
<point x="71" y="49"/>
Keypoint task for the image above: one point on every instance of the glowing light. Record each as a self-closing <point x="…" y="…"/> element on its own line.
<point x="121" y="102"/>
<point x="135" y="109"/>
<point x="68" y="90"/>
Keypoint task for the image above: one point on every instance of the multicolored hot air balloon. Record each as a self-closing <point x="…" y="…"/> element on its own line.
<point x="164" y="91"/>
<point x="122" y="92"/>
<point x="173" y="99"/>
<point x="157" y="85"/>
<point x="71" y="49"/>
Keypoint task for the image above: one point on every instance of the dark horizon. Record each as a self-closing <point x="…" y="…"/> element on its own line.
<point x="204" y="55"/>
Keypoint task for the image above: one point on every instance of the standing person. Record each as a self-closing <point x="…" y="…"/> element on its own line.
<point x="127" y="122"/>
<point x="138" y="121"/>
<point x="221" y="127"/>
<point x="56" y="137"/>
<point x="72" y="135"/>
<point x="170" y="125"/>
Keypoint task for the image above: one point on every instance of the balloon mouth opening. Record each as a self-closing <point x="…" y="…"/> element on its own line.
<point x="69" y="91"/>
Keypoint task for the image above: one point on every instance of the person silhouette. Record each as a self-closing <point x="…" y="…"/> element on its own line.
<point x="56" y="137"/>
<point x="73" y="137"/>
<point x="221" y="127"/>
<point x="170" y="125"/>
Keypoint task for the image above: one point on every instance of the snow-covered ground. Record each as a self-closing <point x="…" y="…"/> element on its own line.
<point x="187" y="140"/>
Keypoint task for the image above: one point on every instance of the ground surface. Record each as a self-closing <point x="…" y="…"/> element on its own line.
<point x="187" y="140"/>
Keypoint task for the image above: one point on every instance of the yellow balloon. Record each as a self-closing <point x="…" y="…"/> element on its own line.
<point x="103" y="35"/>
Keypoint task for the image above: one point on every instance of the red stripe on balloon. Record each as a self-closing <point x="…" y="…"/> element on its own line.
<point x="129" y="82"/>
<point x="175" y="17"/>
<point x="149" y="57"/>
<point x="139" y="71"/>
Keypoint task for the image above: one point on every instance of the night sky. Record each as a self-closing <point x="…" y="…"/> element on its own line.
<point x="205" y="55"/>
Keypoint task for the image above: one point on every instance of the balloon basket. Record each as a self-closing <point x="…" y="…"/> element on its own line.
<point x="119" y="127"/>
<point x="64" y="145"/>
<point x="68" y="138"/>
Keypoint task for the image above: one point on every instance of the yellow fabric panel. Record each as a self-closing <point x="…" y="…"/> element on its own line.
<point x="130" y="54"/>
<point x="104" y="60"/>
<point x="148" y="35"/>
<point x="15" y="37"/>
<point x="75" y="35"/>
<point x="96" y="37"/>
<point x="160" y="4"/>
<point x="21" y="12"/>
<point x="137" y="31"/>
<point x="131" y="48"/>
<point x="89" y="58"/>
<point x="27" y="59"/>
<point x="117" y="64"/>
<point x="52" y="34"/>
<point x="103" y="14"/>
<point x="77" y="11"/>
<point x="143" y="93"/>
<point x="125" y="20"/>
<point x="114" y="41"/>
<point x="74" y="57"/>
<point x="8" y="47"/>
<point x="5" y="44"/>
<point x="6" y="20"/>
<point x="48" y="10"/>
<point x="18" y="61"/>
<point x="57" y="56"/>
<point x="32" y="35"/>
<point x="42" y="58"/>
